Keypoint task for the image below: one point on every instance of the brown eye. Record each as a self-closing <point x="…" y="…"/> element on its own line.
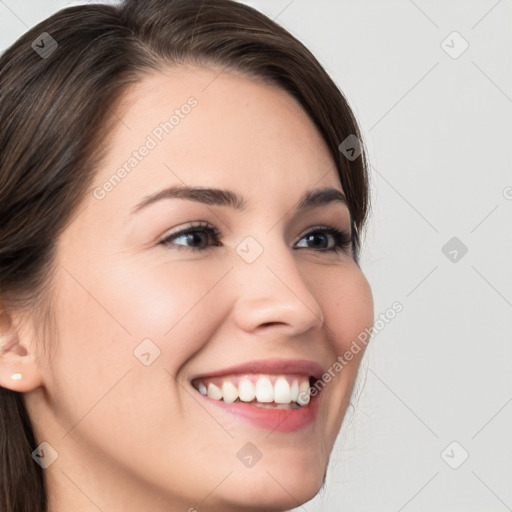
<point x="199" y="234"/>
<point x="342" y="239"/>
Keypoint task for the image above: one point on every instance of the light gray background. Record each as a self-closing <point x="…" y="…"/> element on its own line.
<point x="439" y="134"/>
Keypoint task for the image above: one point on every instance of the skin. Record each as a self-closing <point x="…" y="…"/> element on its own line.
<point x="133" y="437"/>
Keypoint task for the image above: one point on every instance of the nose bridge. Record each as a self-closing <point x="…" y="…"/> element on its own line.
<point x="271" y="287"/>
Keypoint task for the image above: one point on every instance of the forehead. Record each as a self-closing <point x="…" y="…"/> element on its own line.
<point x="213" y="127"/>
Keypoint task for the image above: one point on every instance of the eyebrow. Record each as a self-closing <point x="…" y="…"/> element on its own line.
<point x="222" y="197"/>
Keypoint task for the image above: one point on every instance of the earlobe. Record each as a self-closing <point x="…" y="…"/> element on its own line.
<point x="18" y="368"/>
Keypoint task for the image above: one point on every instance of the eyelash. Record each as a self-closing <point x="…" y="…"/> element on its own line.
<point x="342" y="239"/>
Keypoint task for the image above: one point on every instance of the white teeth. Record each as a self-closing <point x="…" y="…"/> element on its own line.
<point x="294" y="391"/>
<point x="264" y="390"/>
<point x="229" y="392"/>
<point x="246" y="390"/>
<point x="303" y="397"/>
<point x="202" y="389"/>
<point x="214" y="391"/>
<point x="281" y="391"/>
<point x="286" y="390"/>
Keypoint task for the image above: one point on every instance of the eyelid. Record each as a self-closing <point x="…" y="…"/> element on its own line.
<point x="322" y="227"/>
<point x="207" y="225"/>
<point x="189" y="227"/>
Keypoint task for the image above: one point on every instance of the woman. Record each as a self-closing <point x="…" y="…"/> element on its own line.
<point x="182" y="193"/>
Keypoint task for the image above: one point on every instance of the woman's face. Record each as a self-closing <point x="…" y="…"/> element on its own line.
<point x="143" y="325"/>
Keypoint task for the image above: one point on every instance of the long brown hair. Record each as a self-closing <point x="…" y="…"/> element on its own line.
<point x="56" y="110"/>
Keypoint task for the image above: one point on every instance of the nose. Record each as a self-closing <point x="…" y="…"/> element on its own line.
<point x="274" y="294"/>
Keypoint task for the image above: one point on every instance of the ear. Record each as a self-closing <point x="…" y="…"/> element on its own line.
<point x="19" y="370"/>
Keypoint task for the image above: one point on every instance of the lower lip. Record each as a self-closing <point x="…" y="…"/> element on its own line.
<point x="275" y="420"/>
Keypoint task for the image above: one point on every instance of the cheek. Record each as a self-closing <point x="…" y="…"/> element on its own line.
<point x="347" y="303"/>
<point x="348" y="307"/>
<point x="102" y="317"/>
<point x="172" y="304"/>
<point x="104" y="314"/>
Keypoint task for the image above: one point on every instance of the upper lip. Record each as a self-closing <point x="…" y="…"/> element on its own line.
<point x="271" y="366"/>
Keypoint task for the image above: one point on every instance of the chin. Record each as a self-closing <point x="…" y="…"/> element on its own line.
<point x="277" y="487"/>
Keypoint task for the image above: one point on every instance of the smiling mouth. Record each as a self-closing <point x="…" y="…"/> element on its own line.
<point x="266" y="391"/>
